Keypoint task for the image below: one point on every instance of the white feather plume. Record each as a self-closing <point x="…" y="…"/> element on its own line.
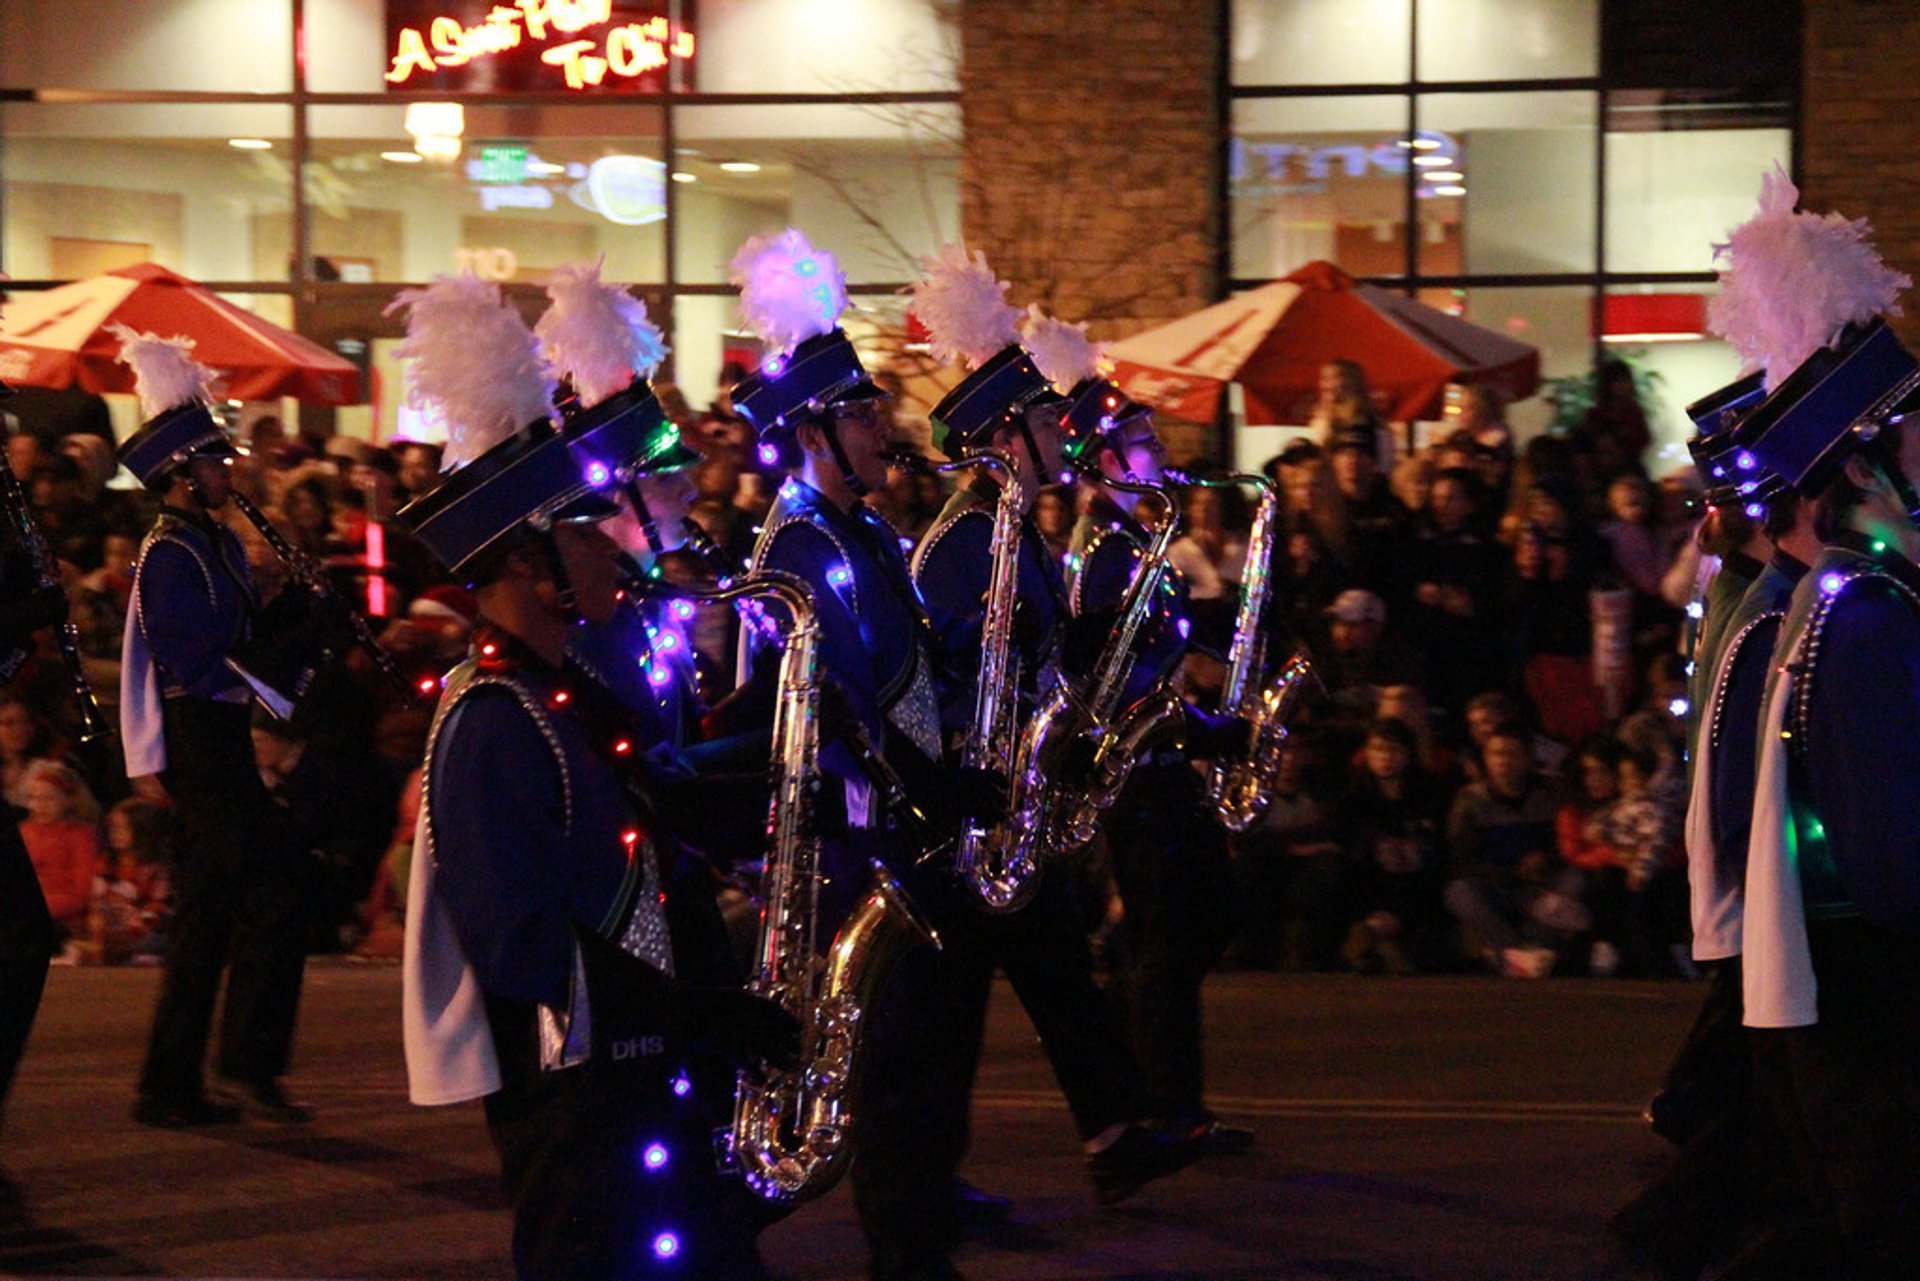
<point x="475" y="361"/>
<point x="1793" y="281"/>
<point x="597" y="334"/>
<point x="964" y="308"/>
<point x="1064" y="354"/>
<point x="789" y="291"/>
<point x="165" y="374"/>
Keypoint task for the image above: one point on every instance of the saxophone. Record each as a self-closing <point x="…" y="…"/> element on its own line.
<point x="1000" y="874"/>
<point x="1045" y="817"/>
<point x="1240" y="788"/>
<point x="790" y="1133"/>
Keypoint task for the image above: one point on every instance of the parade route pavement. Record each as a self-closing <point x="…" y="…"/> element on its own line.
<point x="1458" y="1128"/>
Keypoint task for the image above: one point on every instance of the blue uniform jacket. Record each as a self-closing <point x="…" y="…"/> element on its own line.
<point x="529" y="829"/>
<point x="194" y="599"/>
<point x="1860" y="757"/>
<point x="1754" y="624"/>
<point x="953" y="568"/>
<point x="1108" y="546"/>
<point x="875" y="640"/>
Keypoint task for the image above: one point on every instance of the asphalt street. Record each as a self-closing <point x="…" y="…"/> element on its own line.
<point x="1457" y="1128"/>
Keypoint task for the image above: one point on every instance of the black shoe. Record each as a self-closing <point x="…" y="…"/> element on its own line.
<point x="980" y="1213"/>
<point x="177" y="1114"/>
<point x="1137" y="1158"/>
<point x="1215" y="1137"/>
<point x="265" y="1099"/>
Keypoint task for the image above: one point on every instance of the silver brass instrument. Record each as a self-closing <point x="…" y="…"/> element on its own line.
<point x="1241" y="787"/>
<point x="1046" y="817"/>
<point x="46" y="571"/>
<point x="790" y="1134"/>
<point x="1001" y="873"/>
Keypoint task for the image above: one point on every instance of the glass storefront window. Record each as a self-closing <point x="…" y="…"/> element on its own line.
<point x="1318" y="178"/>
<point x="1662" y="330"/>
<point x="849" y="46"/>
<point x="1672" y="194"/>
<point x="210" y="46"/>
<point x="1518" y="195"/>
<point x="1312" y="42"/>
<point x="86" y="189"/>
<point x="1555" y="319"/>
<point x="531" y="188"/>
<point x="1508" y="39"/>
<point x="877" y="185"/>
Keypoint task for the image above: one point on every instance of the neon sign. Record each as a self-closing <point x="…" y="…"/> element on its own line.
<point x="466" y="45"/>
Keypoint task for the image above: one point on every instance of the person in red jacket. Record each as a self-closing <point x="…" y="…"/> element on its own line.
<point x="62" y="841"/>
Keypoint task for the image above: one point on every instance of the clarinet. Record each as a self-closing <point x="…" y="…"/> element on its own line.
<point x="47" y="571"/>
<point x="306" y="572"/>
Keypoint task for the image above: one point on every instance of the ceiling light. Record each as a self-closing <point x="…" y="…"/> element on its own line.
<point x="402" y="157"/>
<point x="739" y="166"/>
<point x="545" y="168"/>
<point x="1452" y="189"/>
<point x="250" y="144"/>
<point x="1433" y="162"/>
<point x="678" y="176"/>
<point x="1446" y="175"/>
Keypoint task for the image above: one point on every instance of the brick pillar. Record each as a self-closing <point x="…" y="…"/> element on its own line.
<point x="1860" y="126"/>
<point x="1092" y="157"/>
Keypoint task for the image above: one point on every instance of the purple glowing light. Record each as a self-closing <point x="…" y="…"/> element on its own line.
<point x="1831" y="583"/>
<point x="839" y="576"/>
<point x="683" y="610"/>
<point x="769" y="455"/>
<point x="682" y="1087"/>
<point x="666" y="1245"/>
<point x="598" y="475"/>
<point x="655" y="1156"/>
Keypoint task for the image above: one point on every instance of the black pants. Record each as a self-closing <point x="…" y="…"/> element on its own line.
<point x="238" y="907"/>
<point x="1844" y="1095"/>
<point x="28" y="939"/>
<point x="925" y="1051"/>
<point x="1175" y="879"/>
<point x="612" y="1175"/>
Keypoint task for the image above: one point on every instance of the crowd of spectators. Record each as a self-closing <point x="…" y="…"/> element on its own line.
<point x="1492" y="778"/>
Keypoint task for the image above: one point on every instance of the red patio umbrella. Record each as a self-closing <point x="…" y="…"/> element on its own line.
<point x="59" y="339"/>
<point x="1274" y="339"/>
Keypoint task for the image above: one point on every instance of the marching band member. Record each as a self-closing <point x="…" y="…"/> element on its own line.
<point x="28" y="936"/>
<point x="1170" y="859"/>
<point x="1714" y="1189"/>
<point x="548" y="966"/>
<point x="185" y="728"/>
<point x="817" y="414"/>
<point x="1831" y="904"/>
<point x="1008" y="404"/>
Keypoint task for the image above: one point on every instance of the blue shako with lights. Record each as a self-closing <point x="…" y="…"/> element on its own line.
<point x="1724" y="466"/>
<point x="597" y="336"/>
<point x="556" y="967"/>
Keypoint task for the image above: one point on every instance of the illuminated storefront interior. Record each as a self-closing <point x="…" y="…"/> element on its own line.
<point x="1485" y="154"/>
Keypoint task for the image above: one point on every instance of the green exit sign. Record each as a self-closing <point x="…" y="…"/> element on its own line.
<point x="501" y="164"/>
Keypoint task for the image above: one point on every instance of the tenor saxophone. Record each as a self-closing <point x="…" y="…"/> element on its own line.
<point x="1001" y="874"/>
<point x="1047" y="817"/>
<point x="1240" y="787"/>
<point x="790" y="1131"/>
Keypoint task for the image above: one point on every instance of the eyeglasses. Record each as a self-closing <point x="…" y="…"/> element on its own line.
<point x="858" y="413"/>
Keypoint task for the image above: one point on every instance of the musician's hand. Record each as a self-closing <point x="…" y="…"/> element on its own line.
<point x="149" y="787"/>
<point x="980" y="796"/>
